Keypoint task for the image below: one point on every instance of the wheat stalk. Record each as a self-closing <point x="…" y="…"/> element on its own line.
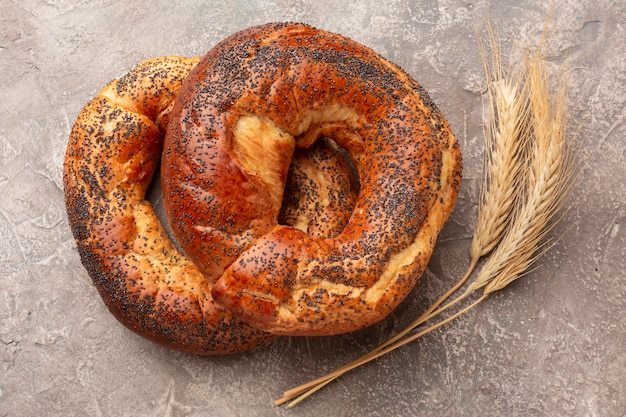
<point x="528" y="172"/>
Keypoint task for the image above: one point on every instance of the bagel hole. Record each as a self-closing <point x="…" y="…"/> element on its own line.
<point x="154" y="195"/>
<point x="321" y="189"/>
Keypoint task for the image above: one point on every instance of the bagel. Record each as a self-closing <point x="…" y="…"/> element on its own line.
<point x="239" y="116"/>
<point x="145" y="281"/>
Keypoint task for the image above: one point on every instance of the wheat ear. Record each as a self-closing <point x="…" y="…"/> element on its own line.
<point x="548" y="175"/>
<point x="505" y="139"/>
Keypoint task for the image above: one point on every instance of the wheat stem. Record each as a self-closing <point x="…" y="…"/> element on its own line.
<point x="305" y="390"/>
<point x="428" y="314"/>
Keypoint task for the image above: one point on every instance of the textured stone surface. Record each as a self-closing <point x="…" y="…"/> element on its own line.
<point x="552" y="344"/>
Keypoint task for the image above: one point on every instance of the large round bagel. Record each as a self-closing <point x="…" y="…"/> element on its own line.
<point x="243" y="110"/>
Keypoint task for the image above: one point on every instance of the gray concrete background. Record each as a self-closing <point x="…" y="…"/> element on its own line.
<point x="553" y="344"/>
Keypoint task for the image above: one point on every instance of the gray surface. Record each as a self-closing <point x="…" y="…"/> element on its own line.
<point x="551" y="345"/>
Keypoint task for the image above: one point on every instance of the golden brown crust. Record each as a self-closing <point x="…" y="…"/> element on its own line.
<point x="151" y="287"/>
<point x="304" y="83"/>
